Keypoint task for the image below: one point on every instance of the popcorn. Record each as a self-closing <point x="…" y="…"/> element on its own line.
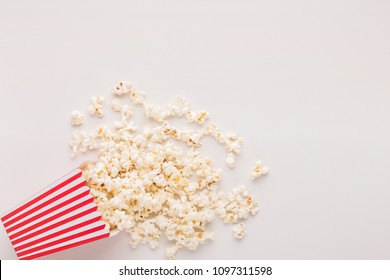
<point x="96" y="108"/>
<point x="116" y="105"/>
<point x="198" y="117"/>
<point x="137" y="97"/>
<point x="233" y="143"/>
<point x="83" y="140"/>
<point x="259" y="169"/>
<point x="239" y="231"/>
<point x="231" y="160"/>
<point x="144" y="183"/>
<point x="181" y="106"/>
<point x="179" y="109"/>
<point x="122" y="88"/>
<point x="170" y="252"/>
<point x="126" y="112"/>
<point x="77" y="118"/>
<point x="237" y="205"/>
<point x="125" y="126"/>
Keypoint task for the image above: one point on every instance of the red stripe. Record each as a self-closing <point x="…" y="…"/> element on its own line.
<point x="57" y="233"/>
<point x="66" y="247"/>
<point x="58" y="215"/>
<point x="40" y="197"/>
<point x="61" y="240"/>
<point x="55" y="225"/>
<point x="36" y="208"/>
<point x="56" y="207"/>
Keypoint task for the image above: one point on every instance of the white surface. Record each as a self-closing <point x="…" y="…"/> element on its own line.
<point x="306" y="83"/>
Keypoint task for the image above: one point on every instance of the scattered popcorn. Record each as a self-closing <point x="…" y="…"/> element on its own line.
<point x="179" y="109"/>
<point x="233" y="143"/>
<point x="126" y="112"/>
<point x="123" y="88"/>
<point x="199" y="117"/>
<point x="237" y="205"/>
<point x="137" y="97"/>
<point x="96" y="108"/>
<point x="259" y="170"/>
<point x="170" y="252"/>
<point x="146" y="184"/>
<point x="116" y="105"/>
<point x="83" y="141"/>
<point x="77" y="118"/>
<point x="239" y="231"/>
<point x="231" y="160"/>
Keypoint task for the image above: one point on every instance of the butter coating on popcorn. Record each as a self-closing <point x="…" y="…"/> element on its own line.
<point x="146" y="184"/>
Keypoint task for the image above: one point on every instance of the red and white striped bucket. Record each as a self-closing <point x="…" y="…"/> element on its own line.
<point x="60" y="217"/>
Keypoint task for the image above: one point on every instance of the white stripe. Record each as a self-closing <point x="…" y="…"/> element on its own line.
<point x="54" y="203"/>
<point x="73" y="213"/>
<point x="82" y="238"/>
<point x="58" y="192"/>
<point x="87" y="227"/>
<point x="78" y="180"/>
<point x="51" y="214"/>
<point x="57" y="182"/>
<point x="64" y="226"/>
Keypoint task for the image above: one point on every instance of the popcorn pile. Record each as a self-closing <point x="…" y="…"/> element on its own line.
<point x="146" y="184"/>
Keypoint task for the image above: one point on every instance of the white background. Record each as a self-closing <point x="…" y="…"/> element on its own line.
<point x="306" y="83"/>
<point x="281" y="269"/>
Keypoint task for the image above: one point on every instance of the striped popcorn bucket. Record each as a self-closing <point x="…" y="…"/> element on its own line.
<point x="60" y="217"/>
